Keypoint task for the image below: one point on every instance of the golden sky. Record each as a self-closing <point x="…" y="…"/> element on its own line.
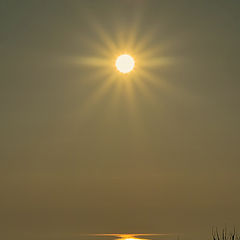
<point x="85" y="149"/>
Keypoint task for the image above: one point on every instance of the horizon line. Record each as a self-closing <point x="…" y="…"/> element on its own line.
<point x="123" y="235"/>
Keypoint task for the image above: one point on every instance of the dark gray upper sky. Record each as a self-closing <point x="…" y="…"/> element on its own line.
<point x="68" y="167"/>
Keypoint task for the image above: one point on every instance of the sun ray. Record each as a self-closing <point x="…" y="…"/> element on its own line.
<point x="143" y="79"/>
<point x="97" y="47"/>
<point x="133" y="33"/>
<point x="130" y="96"/>
<point x="145" y="91"/>
<point x="145" y="40"/>
<point x="97" y="95"/>
<point x="106" y="40"/>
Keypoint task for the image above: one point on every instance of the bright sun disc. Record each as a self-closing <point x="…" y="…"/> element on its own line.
<point x="125" y="63"/>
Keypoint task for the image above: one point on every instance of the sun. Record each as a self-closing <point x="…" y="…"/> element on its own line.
<point x="125" y="63"/>
<point x="120" y="54"/>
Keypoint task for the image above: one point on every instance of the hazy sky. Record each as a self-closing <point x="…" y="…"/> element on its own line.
<point x="70" y="165"/>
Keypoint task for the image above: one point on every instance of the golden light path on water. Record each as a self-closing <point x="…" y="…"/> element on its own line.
<point x="138" y="236"/>
<point x="131" y="236"/>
